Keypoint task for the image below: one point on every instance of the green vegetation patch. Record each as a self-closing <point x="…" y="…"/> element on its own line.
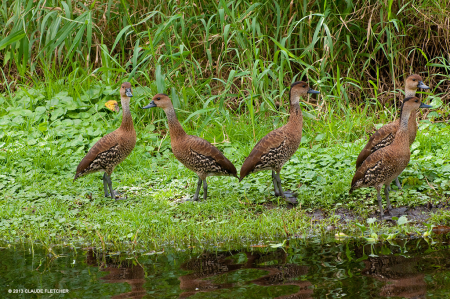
<point x="43" y="139"/>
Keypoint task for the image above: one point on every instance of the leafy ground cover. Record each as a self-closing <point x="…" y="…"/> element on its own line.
<point x="46" y="131"/>
<point x="226" y="66"/>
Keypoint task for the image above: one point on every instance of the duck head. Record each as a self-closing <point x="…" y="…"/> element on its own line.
<point x="299" y="89"/>
<point x="413" y="82"/>
<point x="413" y="103"/>
<point x="125" y="93"/>
<point x="160" y="100"/>
<point x="125" y="90"/>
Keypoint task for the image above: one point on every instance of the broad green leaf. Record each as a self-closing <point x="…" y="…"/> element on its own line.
<point x="26" y="113"/>
<point x="40" y="110"/>
<point x="402" y="220"/>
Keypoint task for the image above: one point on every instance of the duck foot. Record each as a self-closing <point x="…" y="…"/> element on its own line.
<point x="121" y="198"/>
<point x="386" y="218"/>
<point x="192" y="200"/>
<point x="291" y="200"/>
<point x="398" y="212"/>
<point x="289" y="194"/>
<point x="290" y="197"/>
<point x="117" y="195"/>
<point x="286" y="194"/>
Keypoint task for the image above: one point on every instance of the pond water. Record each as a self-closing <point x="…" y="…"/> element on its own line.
<point x="401" y="269"/>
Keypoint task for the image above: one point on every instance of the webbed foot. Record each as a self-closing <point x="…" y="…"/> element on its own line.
<point x="121" y="198"/>
<point x="194" y="200"/>
<point x="117" y="196"/>
<point x="290" y="197"/>
<point x="191" y="199"/>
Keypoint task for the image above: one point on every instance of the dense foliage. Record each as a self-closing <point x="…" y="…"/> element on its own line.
<point x="350" y="49"/>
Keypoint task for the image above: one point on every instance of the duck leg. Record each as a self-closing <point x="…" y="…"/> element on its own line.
<point x="280" y="188"/>
<point x="387" y="188"/>
<point x="380" y="203"/>
<point x="105" y="185"/>
<point x="114" y="195"/>
<point x="288" y="196"/>
<point x="205" y="189"/>
<point x="399" y="186"/>
<point x="275" y="184"/>
<point x="199" y="185"/>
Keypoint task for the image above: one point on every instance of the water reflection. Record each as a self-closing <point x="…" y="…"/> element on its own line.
<point x="282" y="273"/>
<point x="401" y="274"/>
<point x="204" y="266"/>
<point x="119" y="271"/>
<point x="403" y="269"/>
<point x="271" y="270"/>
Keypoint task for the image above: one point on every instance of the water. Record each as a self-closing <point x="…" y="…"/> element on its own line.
<point x="403" y="269"/>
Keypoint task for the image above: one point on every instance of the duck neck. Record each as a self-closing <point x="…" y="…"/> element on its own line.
<point x="127" y="119"/>
<point x="410" y="92"/>
<point x="412" y="123"/>
<point x="402" y="134"/>
<point x="295" y="117"/>
<point x="175" y="128"/>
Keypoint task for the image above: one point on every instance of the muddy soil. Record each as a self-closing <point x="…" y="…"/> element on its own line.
<point x="417" y="214"/>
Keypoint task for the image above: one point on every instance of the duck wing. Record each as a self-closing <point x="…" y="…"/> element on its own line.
<point x="211" y="155"/>
<point x="104" y="144"/>
<point x="269" y="142"/>
<point x="372" y="171"/>
<point x="381" y="138"/>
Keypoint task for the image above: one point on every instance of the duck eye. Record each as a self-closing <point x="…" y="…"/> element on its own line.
<point x="158" y="99"/>
<point x="414" y="80"/>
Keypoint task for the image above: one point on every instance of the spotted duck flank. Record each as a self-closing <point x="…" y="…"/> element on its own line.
<point x="277" y="147"/>
<point x="386" y="134"/>
<point x="195" y="153"/>
<point x="112" y="148"/>
<point x="385" y="164"/>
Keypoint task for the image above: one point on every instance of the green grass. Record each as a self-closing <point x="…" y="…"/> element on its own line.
<point x="41" y="147"/>
<point x="227" y="66"/>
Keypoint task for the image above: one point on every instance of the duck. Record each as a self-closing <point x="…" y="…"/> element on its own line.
<point x="195" y="153"/>
<point x="112" y="148"/>
<point x="386" y="134"/>
<point x="278" y="146"/>
<point x="385" y="164"/>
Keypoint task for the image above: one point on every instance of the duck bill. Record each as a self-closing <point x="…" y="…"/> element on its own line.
<point x="425" y="106"/>
<point x="313" y="91"/>
<point x="422" y="85"/>
<point x="151" y="105"/>
<point x="128" y="92"/>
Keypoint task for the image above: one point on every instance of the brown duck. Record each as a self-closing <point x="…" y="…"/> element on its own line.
<point x="384" y="165"/>
<point x="112" y="148"/>
<point x="386" y="134"/>
<point x="277" y="147"/>
<point x="195" y="153"/>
